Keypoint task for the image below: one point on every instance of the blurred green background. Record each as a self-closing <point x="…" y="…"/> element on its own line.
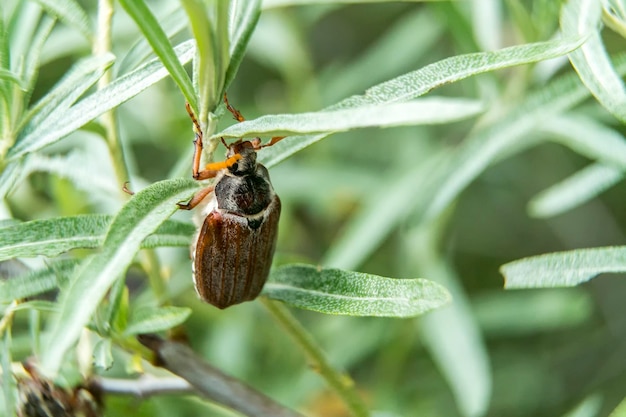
<point x="514" y="353"/>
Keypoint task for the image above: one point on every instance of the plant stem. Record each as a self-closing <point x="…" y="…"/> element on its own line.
<point x="102" y="45"/>
<point x="152" y="267"/>
<point x="340" y="382"/>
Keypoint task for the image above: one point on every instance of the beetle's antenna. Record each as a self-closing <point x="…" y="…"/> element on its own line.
<point x="272" y="141"/>
<point x="197" y="152"/>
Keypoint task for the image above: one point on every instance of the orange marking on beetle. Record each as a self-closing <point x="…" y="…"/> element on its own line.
<point x="215" y="166"/>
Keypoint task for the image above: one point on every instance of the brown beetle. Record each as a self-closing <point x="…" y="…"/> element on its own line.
<point x="233" y="251"/>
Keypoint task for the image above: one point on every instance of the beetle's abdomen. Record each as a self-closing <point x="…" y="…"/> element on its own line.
<point x="231" y="259"/>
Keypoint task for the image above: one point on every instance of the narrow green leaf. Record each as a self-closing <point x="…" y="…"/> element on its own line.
<point x="527" y="313"/>
<point x="8" y="222"/>
<point x="32" y="59"/>
<point x="149" y="26"/>
<point x="454" y="340"/>
<point x="115" y="317"/>
<point x="36" y="282"/>
<point x="170" y="233"/>
<point x="7" y="75"/>
<point x="487" y="23"/>
<point x="588" y="137"/>
<point x="594" y="140"/>
<point x="335" y="291"/>
<point x="438" y="184"/>
<point x="139" y="218"/>
<point x="5" y="58"/>
<point x="414" y="84"/>
<point x="39" y="305"/>
<point x="205" y="64"/>
<point x="614" y="16"/>
<point x="451" y="334"/>
<point x="434" y="110"/>
<point x="507" y="135"/>
<point x="8" y="382"/>
<point x="575" y="190"/>
<point x="70" y="13"/>
<point x="79" y="79"/>
<point x="114" y="94"/>
<point x="244" y="16"/>
<point x="9" y="177"/>
<point x="456" y="68"/>
<point x="563" y="269"/>
<point x="582" y="18"/>
<point x="222" y="53"/>
<point x="156" y="319"/>
<point x="51" y="237"/>
<point x="356" y="75"/>
<point x="268" y="4"/>
<point x="77" y="166"/>
<point x="103" y="354"/>
<point x="173" y="23"/>
<point x="367" y="228"/>
<point x="591" y="406"/>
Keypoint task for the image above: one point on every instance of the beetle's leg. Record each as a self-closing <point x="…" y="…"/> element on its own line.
<point x="196" y="199"/>
<point x="236" y="114"/>
<point x="272" y="141"/>
<point x="197" y="142"/>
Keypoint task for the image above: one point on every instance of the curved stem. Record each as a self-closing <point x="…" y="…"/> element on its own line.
<point x="340" y="382"/>
<point x="102" y="44"/>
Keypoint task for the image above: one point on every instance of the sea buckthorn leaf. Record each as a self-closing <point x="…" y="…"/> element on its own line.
<point x="33" y="54"/>
<point x="510" y="134"/>
<point x="587" y="137"/>
<point x="84" y="74"/>
<point x="592" y="63"/>
<point x="51" y="237"/>
<point x="103" y="354"/>
<point x="336" y="291"/>
<point x="7" y="75"/>
<point x="101" y="101"/>
<point x="563" y="269"/>
<point x="417" y="83"/>
<point x="37" y="281"/>
<point x="156" y="319"/>
<point x="173" y="23"/>
<point x="70" y="13"/>
<point x="244" y="17"/>
<point x="138" y="219"/>
<point x="446" y="177"/>
<point x="435" y="110"/>
<point x="156" y="37"/>
<point x="574" y="190"/>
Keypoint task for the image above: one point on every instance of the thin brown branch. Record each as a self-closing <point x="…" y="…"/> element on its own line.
<point x="212" y="383"/>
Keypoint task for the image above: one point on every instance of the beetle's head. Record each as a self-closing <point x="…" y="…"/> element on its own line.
<point x="243" y="155"/>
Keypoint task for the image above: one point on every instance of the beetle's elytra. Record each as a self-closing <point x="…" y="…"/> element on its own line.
<point x="233" y="251"/>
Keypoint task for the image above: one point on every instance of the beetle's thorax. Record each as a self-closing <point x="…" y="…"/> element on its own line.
<point x="244" y="195"/>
